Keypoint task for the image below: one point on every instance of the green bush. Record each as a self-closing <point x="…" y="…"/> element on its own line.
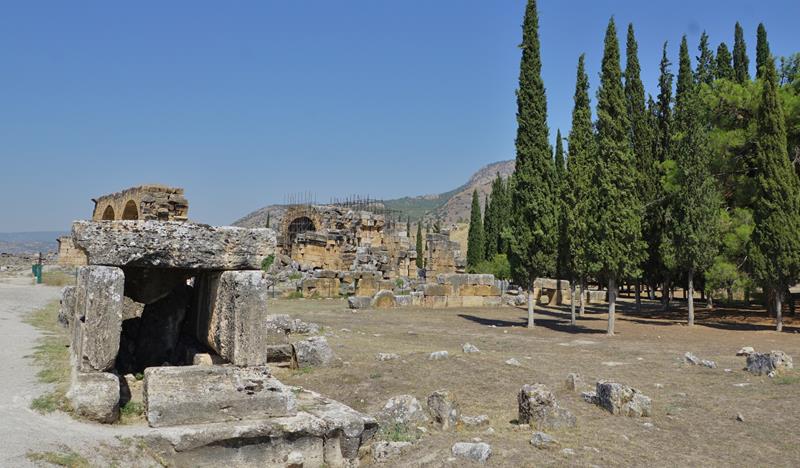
<point x="497" y="266"/>
<point x="267" y="262"/>
<point x="295" y="295"/>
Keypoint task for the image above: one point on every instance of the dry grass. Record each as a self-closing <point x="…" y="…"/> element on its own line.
<point x="694" y="408"/>
<point x="51" y="355"/>
<point x="64" y="457"/>
<point x="58" y="278"/>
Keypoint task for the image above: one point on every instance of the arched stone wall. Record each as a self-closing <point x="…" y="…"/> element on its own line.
<point x="146" y="202"/>
<point x="131" y="211"/>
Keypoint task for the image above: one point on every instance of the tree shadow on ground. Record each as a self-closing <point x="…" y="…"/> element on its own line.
<point x="556" y="323"/>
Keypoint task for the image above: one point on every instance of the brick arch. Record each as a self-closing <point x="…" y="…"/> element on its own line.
<point x="108" y="213"/>
<point x="131" y="211"/>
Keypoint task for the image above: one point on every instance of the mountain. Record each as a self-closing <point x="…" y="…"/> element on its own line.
<point x="29" y="242"/>
<point x="450" y="207"/>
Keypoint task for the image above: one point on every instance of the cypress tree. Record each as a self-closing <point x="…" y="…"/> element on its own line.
<point x="724" y="69"/>
<point x="269" y="220"/>
<point x="408" y="226"/>
<point x="705" y="61"/>
<point x="775" y="246"/>
<point x="420" y="253"/>
<point x="563" y="246"/>
<point x="475" y="240"/>
<point x="533" y="233"/>
<point x="640" y="132"/>
<point x="618" y="239"/>
<point x="762" y="50"/>
<point x="696" y="200"/>
<point x="741" y="63"/>
<point x="659" y="243"/>
<point x="491" y="221"/>
<point x="581" y="198"/>
<point x="504" y="213"/>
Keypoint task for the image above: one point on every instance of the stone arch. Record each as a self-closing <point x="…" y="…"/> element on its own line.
<point x="108" y="214"/>
<point x="299" y="225"/>
<point x="130" y="211"/>
<point x="293" y="219"/>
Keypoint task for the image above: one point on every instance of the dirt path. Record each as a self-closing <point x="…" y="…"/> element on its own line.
<point x="22" y="429"/>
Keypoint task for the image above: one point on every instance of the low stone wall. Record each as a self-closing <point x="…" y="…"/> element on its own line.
<point x="450" y="290"/>
<point x="69" y="254"/>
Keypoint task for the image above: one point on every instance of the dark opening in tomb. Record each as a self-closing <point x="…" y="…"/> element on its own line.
<point x="160" y="324"/>
<point x="299" y="226"/>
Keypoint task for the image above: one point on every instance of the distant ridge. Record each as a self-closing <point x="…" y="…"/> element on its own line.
<point x="451" y="207"/>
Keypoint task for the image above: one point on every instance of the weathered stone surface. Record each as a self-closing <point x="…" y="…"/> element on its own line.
<point x="619" y="399"/>
<point x="171" y="244"/>
<point x="387" y="356"/>
<point x="539" y="408"/>
<point x="288" y="325"/>
<point x="745" y="351"/>
<point x="469" y="348"/>
<point x="131" y="309"/>
<point x="95" y="396"/>
<point x="98" y="318"/>
<point x="313" y="351"/>
<point x="383" y="451"/>
<point x="66" y="310"/>
<point x="206" y="359"/>
<point x="543" y="440"/>
<point x="431" y="289"/>
<point x="765" y="363"/>
<point x="475" y="421"/>
<point x="208" y="394"/>
<point x="574" y="382"/>
<point x="232" y="320"/>
<point x="444" y="409"/>
<point x="691" y="359"/>
<point x="477" y="452"/>
<point x="513" y="362"/>
<point x="404" y="410"/>
<point x="325" y="433"/>
<point x="280" y="353"/>
<point x="403" y="300"/>
<point x="359" y="302"/>
<point x="438" y="355"/>
<point x="384" y="299"/>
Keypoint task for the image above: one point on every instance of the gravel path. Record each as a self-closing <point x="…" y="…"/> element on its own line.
<point x="22" y="429"/>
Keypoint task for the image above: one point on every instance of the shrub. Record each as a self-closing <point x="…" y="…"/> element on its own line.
<point x="497" y="266"/>
<point x="267" y="262"/>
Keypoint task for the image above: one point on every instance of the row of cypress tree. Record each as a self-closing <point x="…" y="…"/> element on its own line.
<point x="637" y="200"/>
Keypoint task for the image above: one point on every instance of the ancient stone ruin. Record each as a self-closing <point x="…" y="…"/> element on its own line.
<point x="184" y="306"/>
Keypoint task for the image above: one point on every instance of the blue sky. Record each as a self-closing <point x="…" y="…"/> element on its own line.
<point x="243" y="102"/>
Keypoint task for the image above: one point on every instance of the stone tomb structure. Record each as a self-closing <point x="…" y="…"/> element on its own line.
<point x="156" y="294"/>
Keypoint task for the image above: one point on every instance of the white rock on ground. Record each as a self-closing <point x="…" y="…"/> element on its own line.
<point x="438" y="355"/>
<point x="469" y="348"/>
<point x="383" y="451"/>
<point x="542" y="440"/>
<point x="402" y="409"/>
<point x="387" y="356"/>
<point x="513" y="362"/>
<point x="478" y="452"/>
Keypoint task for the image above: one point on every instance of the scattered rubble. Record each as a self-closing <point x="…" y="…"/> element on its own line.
<point x="383" y="451"/>
<point x="694" y="360"/>
<point x="573" y="382"/>
<point x="387" y="356"/>
<point x="438" y="355"/>
<point x="543" y="440"/>
<point x="475" y="421"/>
<point x="513" y="362"/>
<point x="313" y="351"/>
<point x="469" y="348"/>
<point x="444" y="409"/>
<point x="619" y="399"/>
<point x="402" y="409"/>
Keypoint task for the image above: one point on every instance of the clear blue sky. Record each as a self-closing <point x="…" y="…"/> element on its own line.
<point x="243" y="102"/>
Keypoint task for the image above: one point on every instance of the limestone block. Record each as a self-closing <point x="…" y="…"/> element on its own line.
<point x="280" y="353"/>
<point x="471" y="301"/>
<point x="231" y="315"/>
<point x="417" y="298"/>
<point x="95" y="396"/>
<point x="478" y="290"/>
<point x="173" y="244"/>
<point x="359" y="302"/>
<point x="98" y="318"/>
<point x="766" y="363"/>
<point x="438" y="289"/>
<point x="539" y="408"/>
<point x="617" y="398"/>
<point x="384" y="300"/>
<point x="455" y="301"/>
<point x="595" y="297"/>
<point x="492" y="301"/>
<point x="131" y="309"/>
<point x="550" y="283"/>
<point x="435" y="302"/>
<point x="314" y="351"/>
<point x="367" y="286"/>
<point x="404" y="300"/>
<point x="444" y="409"/>
<point x="66" y="310"/>
<point x="176" y="396"/>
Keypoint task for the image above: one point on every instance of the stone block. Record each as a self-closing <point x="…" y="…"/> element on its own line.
<point x="366" y="286"/>
<point x="417" y="298"/>
<point x="231" y="315"/>
<point x="164" y="244"/>
<point x="478" y="290"/>
<point x="444" y="409"/>
<point x="767" y="363"/>
<point x="98" y="318"/>
<point x="177" y="396"/>
<point x="359" y="302"/>
<point x="539" y="408"/>
<point x="404" y="300"/>
<point x="492" y="301"/>
<point x="435" y="302"/>
<point x="313" y="351"/>
<point x="280" y="353"/>
<point x="455" y="301"/>
<point x="472" y="301"/>
<point x="431" y="289"/>
<point x="95" y="396"/>
<point x="66" y="310"/>
<point x="620" y="399"/>
<point x="595" y="297"/>
<point x="384" y="299"/>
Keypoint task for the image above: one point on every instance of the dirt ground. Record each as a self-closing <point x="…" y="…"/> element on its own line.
<point x="694" y="421"/>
